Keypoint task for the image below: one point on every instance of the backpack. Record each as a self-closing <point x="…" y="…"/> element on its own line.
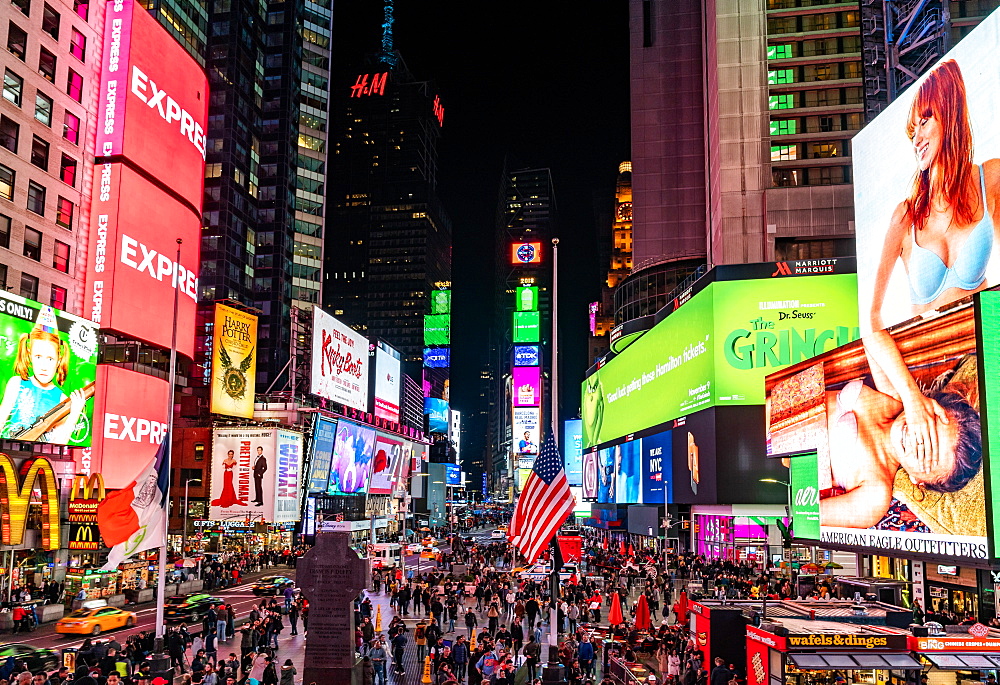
<point x="420" y="632"/>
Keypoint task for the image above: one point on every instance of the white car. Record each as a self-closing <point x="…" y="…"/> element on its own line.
<point x="498" y="535"/>
<point x="538" y="572"/>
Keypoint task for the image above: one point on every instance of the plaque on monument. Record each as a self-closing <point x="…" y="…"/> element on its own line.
<point x="330" y="576"/>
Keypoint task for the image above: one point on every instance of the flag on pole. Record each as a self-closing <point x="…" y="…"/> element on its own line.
<point x="543" y="505"/>
<point x="132" y="519"/>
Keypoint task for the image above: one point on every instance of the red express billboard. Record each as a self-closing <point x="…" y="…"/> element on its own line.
<point x="131" y="269"/>
<point x="154" y="101"/>
<point x="130" y="416"/>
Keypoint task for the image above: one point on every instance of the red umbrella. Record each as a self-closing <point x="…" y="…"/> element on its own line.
<point x="642" y="621"/>
<point x="682" y="608"/>
<point x="631" y="551"/>
<point x="621" y="548"/>
<point x="605" y="543"/>
<point x="615" y="615"/>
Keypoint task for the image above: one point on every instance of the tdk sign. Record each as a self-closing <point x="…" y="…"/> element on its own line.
<point x="525" y="355"/>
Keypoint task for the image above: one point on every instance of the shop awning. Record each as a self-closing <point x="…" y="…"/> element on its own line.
<point x="963" y="662"/>
<point x="839" y="660"/>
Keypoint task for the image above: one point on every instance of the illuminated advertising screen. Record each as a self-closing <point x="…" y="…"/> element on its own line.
<point x="130" y="421"/>
<point x="526" y="299"/>
<point x="353" y="449"/>
<point x="607" y="480"/>
<point x="524" y="467"/>
<point x="526" y="253"/>
<point x="716" y="349"/>
<point x="884" y="480"/>
<point x="437" y="329"/>
<point x="386" y="464"/>
<point x="324" y="433"/>
<point x="437" y="414"/>
<point x="437" y="357"/>
<point x="526" y="355"/>
<point x="804" y="477"/>
<point x="627" y="463"/>
<point x="132" y="269"/>
<point x="234" y="362"/>
<point x="527" y="327"/>
<point x="526" y="430"/>
<point x="572" y="449"/>
<point x="153" y="102"/>
<point x="49" y="363"/>
<point x="942" y="125"/>
<point x="656" y="468"/>
<point x="440" y="302"/>
<point x="387" y="372"/>
<point x="527" y="386"/>
<point x="988" y="303"/>
<point x="453" y="474"/>
<point x="255" y="473"/>
<point x="590" y="475"/>
<point x="694" y="456"/>
<point x="339" y="362"/>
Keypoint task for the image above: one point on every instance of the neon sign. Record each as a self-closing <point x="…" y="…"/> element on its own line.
<point x="438" y="110"/>
<point x="362" y="87"/>
<point x="85" y="494"/>
<point x="15" y="495"/>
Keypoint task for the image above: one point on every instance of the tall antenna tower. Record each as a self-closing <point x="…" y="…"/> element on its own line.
<point x="388" y="54"/>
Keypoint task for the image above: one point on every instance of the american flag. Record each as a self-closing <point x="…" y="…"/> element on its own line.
<point x="543" y="505"/>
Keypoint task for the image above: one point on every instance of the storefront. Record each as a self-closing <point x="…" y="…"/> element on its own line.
<point x="953" y="658"/>
<point x="951" y="588"/>
<point x="95" y="583"/>
<point x="807" y="652"/>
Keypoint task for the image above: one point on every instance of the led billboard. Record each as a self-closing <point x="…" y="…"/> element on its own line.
<point x="988" y="303"/>
<point x="255" y="473"/>
<point x="899" y="460"/>
<point x="440" y="302"/>
<point x="153" y="102"/>
<point x="386" y="464"/>
<point x="387" y="382"/>
<point x="453" y="474"/>
<point x="590" y="475"/>
<point x="527" y="327"/>
<point x="437" y="414"/>
<point x="350" y="467"/>
<point x="339" y="362"/>
<point x="437" y="357"/>
<point x="49" y="361"/>
<point x="526" y="355"/>
<point x="526" y="253"/>
<point x="130" y="422"/>
<point x="656" y="468"/>
<point x="132" y="269"/>
<point x="627" y="460"/>
<point x="437" y="329"/>
<point x="234" y="362"/>
<point x="324" y="433"/>
<point x="526" y="430"/>
<point x="527" y="386"/>
<point x="572" y="449"/>
<point x="716" y="350"/>
<point x="526" y="299"/>
<point x="922" y="159"/>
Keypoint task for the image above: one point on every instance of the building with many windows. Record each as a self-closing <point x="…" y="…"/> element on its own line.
<point x="51" y="76"/>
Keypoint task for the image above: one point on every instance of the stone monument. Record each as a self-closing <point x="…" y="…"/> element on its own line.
<point x="330" y="576"/>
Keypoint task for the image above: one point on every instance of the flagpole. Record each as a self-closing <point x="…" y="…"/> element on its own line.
<point x="161" y="580"/>
<point x="555" y="670"/>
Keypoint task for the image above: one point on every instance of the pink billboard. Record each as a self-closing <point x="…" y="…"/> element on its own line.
<point x="527" y="386"/>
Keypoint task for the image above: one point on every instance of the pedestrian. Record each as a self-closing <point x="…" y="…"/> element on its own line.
<point x="532" y="652"/>
<point x="270" y="672"/>
<point x="293" y="618"/>
<point x="379" y="658"/>
<point x="471" y="621"/>
<point x="288" y="673"/>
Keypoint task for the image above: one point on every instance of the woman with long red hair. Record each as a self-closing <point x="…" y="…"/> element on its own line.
<point x="943" y="232"/>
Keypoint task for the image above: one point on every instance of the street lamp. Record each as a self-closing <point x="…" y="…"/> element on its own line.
<point x="184" y="532"/>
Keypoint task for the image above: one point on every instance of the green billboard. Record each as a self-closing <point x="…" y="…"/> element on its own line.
<point x="805" y="496"/>
<point x="527" y="299"/>
<point x="988" y="332"/>
<point x="716" y="350"/>
<point x="440" y="302"/>
<point x="527" y="327"/>
<point x="437" y="329"/>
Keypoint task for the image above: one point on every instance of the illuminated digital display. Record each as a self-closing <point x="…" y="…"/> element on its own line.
<point x="15" y="494"/>
<point x="234" y="362"/>
<point x="437" y="357"/>
<point x="527" y="382"/>
<point x="527" y="299"/>
<point x="527" y="327"/>
<point x="340" y="362"/>
<point x="437" y="329"/>
<point x="440" y="302"/>
<point x="526" y="355"/>
<point x="526" y="253"/>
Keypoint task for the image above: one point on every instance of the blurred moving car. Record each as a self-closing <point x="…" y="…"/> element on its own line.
<point x="272" y="585"/>
<point x="192" y="607"/>
<point x="498" y="535"/>
<point x="35" y="658"/>
<point x="93" y="618"/>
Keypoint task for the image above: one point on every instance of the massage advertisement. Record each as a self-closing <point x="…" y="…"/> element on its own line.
<point x="923" y="238"/>
<point x="48" y="359"/>
<point x="888" y="476"/>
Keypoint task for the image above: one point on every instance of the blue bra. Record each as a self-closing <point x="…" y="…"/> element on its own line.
<point x="927" y="273"/>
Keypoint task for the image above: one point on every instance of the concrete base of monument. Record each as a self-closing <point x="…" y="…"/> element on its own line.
<point x="324" y="676"/>
<point x="553" y="675"/>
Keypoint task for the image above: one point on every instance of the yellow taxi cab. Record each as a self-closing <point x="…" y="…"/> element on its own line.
<point x="94" y="617"/>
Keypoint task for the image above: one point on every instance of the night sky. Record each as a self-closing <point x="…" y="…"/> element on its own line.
<point x="544" y="83"/>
